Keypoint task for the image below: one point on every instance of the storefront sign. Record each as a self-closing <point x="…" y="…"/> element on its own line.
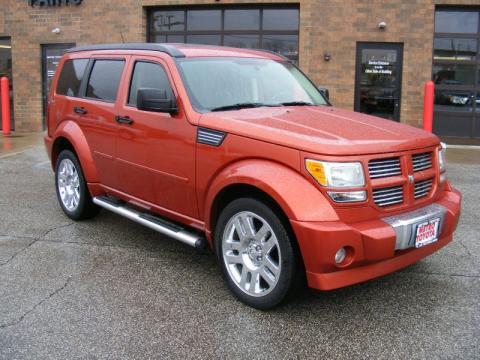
<point x="53" y="2"/>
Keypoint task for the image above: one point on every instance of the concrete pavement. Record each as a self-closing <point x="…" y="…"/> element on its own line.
<point x="111" y="289"/>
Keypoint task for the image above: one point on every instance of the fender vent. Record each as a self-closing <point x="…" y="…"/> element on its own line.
<point x="210" y="137"/>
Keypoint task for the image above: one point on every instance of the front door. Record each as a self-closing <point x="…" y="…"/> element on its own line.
<point x="378" y="81"/>
<point x="155" y="152"/>
<point x="51" y="55"/>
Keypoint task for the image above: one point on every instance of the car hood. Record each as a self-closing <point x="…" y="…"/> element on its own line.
<point x="320" y="129"/>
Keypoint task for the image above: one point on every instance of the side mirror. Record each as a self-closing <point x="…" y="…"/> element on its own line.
<point x="324" y="91"/>
<point x="157" y="100"/>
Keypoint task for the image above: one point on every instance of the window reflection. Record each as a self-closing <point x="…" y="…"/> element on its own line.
<point x="242" y="41"/>
<point x="287" y="45"/>
<point x="204" y="39"/>
<point x="455" y="49"/>
<point x="454" y="100"/>
<point x="456" y="22"/>
<point x="204" y="20"/>
<point x="268" y="28"/>
<point x="240" y="19"/>
<point x="168" y="20"/>
<point x="280" y="19"/>
<point x="453" y="74"/>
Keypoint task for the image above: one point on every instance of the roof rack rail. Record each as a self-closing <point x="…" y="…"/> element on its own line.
<point x="168" y="49"/>
<point x="274" y="53"/>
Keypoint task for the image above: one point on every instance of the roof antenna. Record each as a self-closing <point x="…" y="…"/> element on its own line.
<point x="123" y="39"/>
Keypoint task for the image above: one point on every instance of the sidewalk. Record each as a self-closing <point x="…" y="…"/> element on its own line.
<point x="19" y="142"/>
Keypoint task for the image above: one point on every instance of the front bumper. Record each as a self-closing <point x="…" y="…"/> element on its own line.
<point x="378" y="247"/>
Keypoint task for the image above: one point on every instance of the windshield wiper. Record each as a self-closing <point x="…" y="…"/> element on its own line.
<point x="238" y="106"/>
<point x="297" y="103"/>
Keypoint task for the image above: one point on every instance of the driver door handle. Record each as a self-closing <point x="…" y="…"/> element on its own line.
<point x="124" y="120"/>
<point x="79" y="110"/>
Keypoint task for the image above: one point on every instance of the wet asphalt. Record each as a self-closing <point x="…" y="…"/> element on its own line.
<point x="111" y="289"/>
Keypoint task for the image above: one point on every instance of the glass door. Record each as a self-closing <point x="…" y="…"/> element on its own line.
<point x="6" y="70"/>
<point x="378" y="79"/>
<point x="51" y="55"/>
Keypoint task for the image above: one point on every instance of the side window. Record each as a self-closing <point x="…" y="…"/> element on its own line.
<point x="150" y="76"/>
<point x="105" y="79"/>
<point x="71" y="77"/>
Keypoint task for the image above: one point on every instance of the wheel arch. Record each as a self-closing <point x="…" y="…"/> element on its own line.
<point x="279" y="186"/>
<point x="69" y="136"/>
<point x="240" y="190"/>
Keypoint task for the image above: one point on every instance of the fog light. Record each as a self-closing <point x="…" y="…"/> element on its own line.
<point x="340" y="255"/>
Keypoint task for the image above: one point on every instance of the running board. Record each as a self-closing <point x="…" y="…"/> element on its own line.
<point x="151" y="221"/>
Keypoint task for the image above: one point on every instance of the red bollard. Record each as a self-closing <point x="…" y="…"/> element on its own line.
<point x="428" y="106"/>
<point x="5" y="95"/>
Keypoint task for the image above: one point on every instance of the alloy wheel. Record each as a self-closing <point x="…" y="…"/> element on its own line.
<point x="251" y="253"/>
<point x="68" y="184"/>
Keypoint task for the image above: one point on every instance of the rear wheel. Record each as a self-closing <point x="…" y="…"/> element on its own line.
<point x="72" y="191"/>
<point x="255" y="252"/>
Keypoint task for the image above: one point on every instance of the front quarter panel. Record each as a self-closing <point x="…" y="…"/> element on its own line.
<point x="271" y="168"/>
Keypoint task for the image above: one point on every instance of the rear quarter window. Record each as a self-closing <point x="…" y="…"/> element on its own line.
<point x="71" y="77"/>
<point x="105" y="80"/>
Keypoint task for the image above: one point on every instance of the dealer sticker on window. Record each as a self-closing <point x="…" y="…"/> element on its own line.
<point x="427" y="232"/>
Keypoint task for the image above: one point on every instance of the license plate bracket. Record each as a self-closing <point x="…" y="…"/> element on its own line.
<point x="427" y="232"/>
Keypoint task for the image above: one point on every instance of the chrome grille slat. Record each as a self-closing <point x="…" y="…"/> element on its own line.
<point x="386" y="190"/>
<point x="388" y="196"/>
<point x="422" y="188"/>
<point x="379" y="168"/>
<point x="392" y="200"/>
<point x="422" y="161"/>
<point x="385" y="174"/>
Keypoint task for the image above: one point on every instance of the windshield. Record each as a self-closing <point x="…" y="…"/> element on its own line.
<point x="215" y="84"/>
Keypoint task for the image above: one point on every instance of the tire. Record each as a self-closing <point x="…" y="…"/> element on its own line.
<point x="256" y="253"/>
<point x="71" y="188"/>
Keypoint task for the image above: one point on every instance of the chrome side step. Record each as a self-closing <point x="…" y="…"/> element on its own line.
<point x="151" y="221"/>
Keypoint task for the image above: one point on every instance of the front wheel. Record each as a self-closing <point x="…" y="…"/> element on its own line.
<point x="72" y="191"/>
<point x="255" y="252"/>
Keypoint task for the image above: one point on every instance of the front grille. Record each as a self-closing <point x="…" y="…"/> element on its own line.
<point x="388" y="196"/>
<point x="380" y="168"/>
<point x="422" y="188"/>
<point x="422" y="161"/>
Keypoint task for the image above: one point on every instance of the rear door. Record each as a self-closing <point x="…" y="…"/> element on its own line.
<point x="155" y="157"/>
<point x="96" y="111"/>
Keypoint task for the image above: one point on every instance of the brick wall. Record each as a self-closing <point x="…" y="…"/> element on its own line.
<point x="332" y="26"/>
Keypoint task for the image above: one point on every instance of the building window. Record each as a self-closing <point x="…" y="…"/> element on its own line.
<point x="456" y="72"/>
<point x="260" y="27"/>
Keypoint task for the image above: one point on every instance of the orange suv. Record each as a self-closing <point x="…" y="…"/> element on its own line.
<point x="239" y="151"/>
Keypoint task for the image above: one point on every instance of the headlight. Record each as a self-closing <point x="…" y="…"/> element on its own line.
<point x="336" y="174"/>
<point x="442" y="163"/>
